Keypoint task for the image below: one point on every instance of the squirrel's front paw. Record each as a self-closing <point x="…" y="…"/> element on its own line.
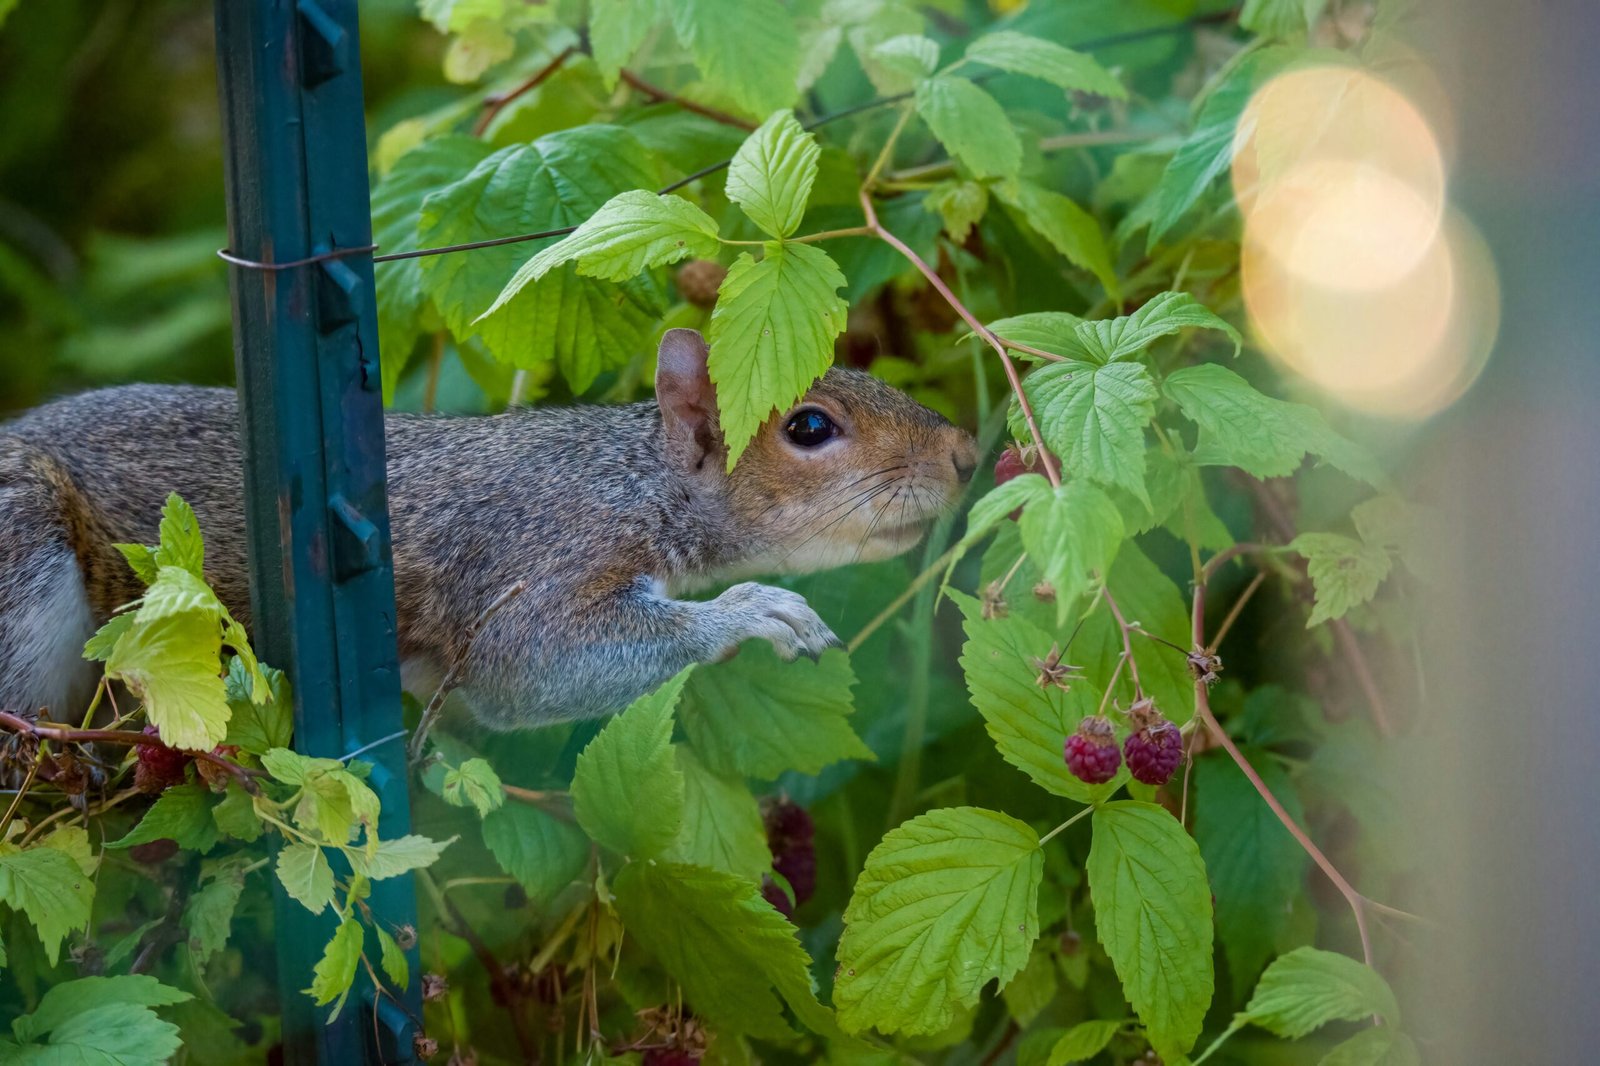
<point x="776" y="615"/>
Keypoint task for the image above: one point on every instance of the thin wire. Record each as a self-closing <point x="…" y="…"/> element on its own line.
<point x="882" y="101"/>
<point x="321" y="257"/>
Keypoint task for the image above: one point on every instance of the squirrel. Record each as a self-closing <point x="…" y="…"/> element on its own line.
<point x="606" y="514"/>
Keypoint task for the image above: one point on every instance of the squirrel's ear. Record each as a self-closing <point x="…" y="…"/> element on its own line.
<point x="685" y="395"/>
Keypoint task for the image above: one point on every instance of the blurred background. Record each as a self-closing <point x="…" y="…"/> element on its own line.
<point x="111" y="209"/>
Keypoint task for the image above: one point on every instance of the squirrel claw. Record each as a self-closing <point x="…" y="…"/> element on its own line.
<point x="779" y="616"/>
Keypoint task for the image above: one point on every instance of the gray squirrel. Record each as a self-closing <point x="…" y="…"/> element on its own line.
<point x="606" y="514"/>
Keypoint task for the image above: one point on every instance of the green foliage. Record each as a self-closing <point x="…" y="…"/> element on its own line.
<point x="1038" y="58"/>
<point x="50" y="888"/>
<point x="1344" y="571"/>
<point x="1076" y="532"/>
<point x="772" y="173"/>
<point x="95" y="1020"/>
<point x="971" y="124"/>
<point x="628" y="791"/>
<point x="722" y="827"/>
<point x="542" y="852"/>
<point x="1308" y="988"/>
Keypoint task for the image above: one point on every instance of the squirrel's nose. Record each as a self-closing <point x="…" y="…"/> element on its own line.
<point x="965" y="464"/>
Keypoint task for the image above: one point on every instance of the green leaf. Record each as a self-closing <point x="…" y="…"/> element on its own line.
<point x="542" y="852"/>
<point x="333" y="800"/>
<point x="1077" y="533"/>
<point x="1345" y="573"/>
<point x="306" y="875"/>
<point x="392" y="959"/>
<point x="772" y="173"/>
<point x="1034" y="989"/>
<point x="391" y="858"/>
<point x="946" y="903"/>
<point x="1209" y="149"/>
<point x="757" y="716"/>
<point x="1308" y="988"/>
<point x="616" y="30"/>
<point x="181" y="543"/>
<point x="258" y="727"/>
<point x="1070" y="229"/>
<point x="208" y="916"/>
<point x="1108" y="340"/>
<point x="70" y="999"/>
<point x="181" y="814"/>
<point x="176" y="591"/>
<point x="559" y="180"/>
<point x="335" y="972"/>
<point x="174" y="666"/>
<point x="1383" y="1046"/>
<point x="1256" y="867"/>
<point x="1093" y="418"/>
<point x="1027" y="722"/>
<point x="474" y="784"/>
<point x="747" y="48"/>
<point x="50" y="888"/>
<point x="141" y="560"/>
<point x="731" y="951"/>
<point x="1050" y="331"/>
<point x="1084" y="1041"/>
<point x="1149" y="597"/>
<point x="1046" y="60"/>
<point x="1280" y="18"/>
<point x="627" y="792"/>
<point x="1020" y="492"/>
<point x="722" y="827"/>
<point x="960" y="204"/>
<point x="1153" y="917"/>
<point x="900" y="62"/>
<point x="772" y="335"/>
<point x="235" y="815"/>
<point x="631" y="231"/>
<point x="1262" y="436"/>
<point x="100" y="646"/>
<point x="971" y="124"/>
<point x="114" y="1034"/>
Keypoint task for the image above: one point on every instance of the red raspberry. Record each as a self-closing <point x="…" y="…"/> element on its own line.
<point x="1154" y="752"/>
<point x="670" y="1056"/>
<point x="158" y="766"/>
<point x="777" y="897"/>
<point x="1008" y="466"/>
<point x="1091" y="752"/>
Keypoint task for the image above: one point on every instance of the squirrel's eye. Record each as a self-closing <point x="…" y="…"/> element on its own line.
<point x="810" y="428"/>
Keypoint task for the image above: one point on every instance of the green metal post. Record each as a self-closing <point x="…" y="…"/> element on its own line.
<point x="311" y="412"/>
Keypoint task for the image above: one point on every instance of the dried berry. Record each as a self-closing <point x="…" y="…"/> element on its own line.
<point x="1155" y="747"/>
<point x="159" y="766"/>
<point x="994" y="601"/>
<point x="699" y="280"/>
<point x="1091" y="752"/>
<point x="1205" y="667"/>
<point x="425" y="1046"/>
<point x="1044" y="592"/>
<point x="1052" y="671"/>
<point x="1070" y="942"/>
<point x="434" y="987"/>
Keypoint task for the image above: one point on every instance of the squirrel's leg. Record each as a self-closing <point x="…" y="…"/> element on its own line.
<point x="44" y="613"/>
<point x="606" y="656"/>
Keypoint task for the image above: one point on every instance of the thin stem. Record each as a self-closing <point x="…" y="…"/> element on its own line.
<point x="1116" y="675"/>
<point x="662" y="96"/>
<point x="493" y="105"/>
<point x="901" y="600"/>
<point x="1235" y="611"/>
<point x="64" y="734"/>
<point x="1076" y="817"/>
<point x="887" y="150"/>
<point x="830" y="234"/>
<point x="1060" y="142"/>
<point x="1127" y="643"/>
<point x="1028" y="349"/>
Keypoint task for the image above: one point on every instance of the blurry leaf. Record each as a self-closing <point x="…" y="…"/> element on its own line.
<point x="392" y="959"/>
<point x="542" y="852"/>
<point x="306" y="875"/>
<point x="747" y="48"/>
<point x="182" y="814"/>
<point x="335" y="972"/>
<point x="772" y="335"/>
<point x="1153" y="917"/>
<point x="900" y="62"/>
<point x="1070" y="229"/>
<point x="1046" y="60"/>
<point x="1382" y="1046"/>
<point x="391" y="858"/>
<point x="1084" y="1041"/>
<point x="1073" y="535"/>
<point x="616" y="30"/>
<point x="946" y="903"/>
<point x="628" y="791"/>
<point x="1094" y="418"/>
<point x="971" y="125"/>
<point x="1032" y="990"/>
<point x="722" y="827"/>
<point x="236" y="815"/>
<point x="1280" y="18"/>
<point x="960" y="205"/>
<point x="1308" y="988"/>
<point x="1051" y="331"/>
<point x="50" y="888"/>
<point x="1028" y="722"/>
<point x="208" y="916"/>
<point x="1345" y="573"/>
<point x="70" y="999"/>
<point x="473" y="784"/>
<point x="772" y="173"/>
<point x="122" y="1033"/>
<point x="757" y="716"/>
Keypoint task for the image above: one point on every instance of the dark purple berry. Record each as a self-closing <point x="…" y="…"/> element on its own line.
<point x="1091" y="752"/>
<point x="775" y="895"/>
<point x="1154" y="752"/>
<point x="159" y="766"/>
<point x="670" y="1056"/>
<point x="787" y="822"/>
<point x="790" y="835"/>
<point x="153" y="852"/>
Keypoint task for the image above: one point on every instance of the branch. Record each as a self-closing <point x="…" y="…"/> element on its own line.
<point x="497" y="102"/>
<point x="244" y="775"/>
<point x="503" y="988"/>
<point x="662" y="96"/>
<point x="1127" y="641"/>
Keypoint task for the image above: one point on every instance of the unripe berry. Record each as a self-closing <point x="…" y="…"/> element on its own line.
<point x="1091" y="752"/>
<point x="699" y="281"/>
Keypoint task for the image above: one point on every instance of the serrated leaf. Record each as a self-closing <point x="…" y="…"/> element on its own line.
<point x="335" y="972"/>
<point x="392" y="959"/>
<point x="1256" y="867"/>
<point x="141" y="560"/>
<point x="1149" y="598"/>
<point x="772" y="173"/>
<point x="181" y="544"/>
<point x="174" y="665"/>
<point x="627" y="792"/>
<point x="50" y="888"/>
<point x="971" y="125"/>
<point x="208" y="916"/>
<point x="1262" y="436"/>
<point x="100" y="646"/>
<point x="631" y="231"/>
<point x="306" y="875"/>
<point x="747" y="48"/>
<point x="616" y="30"/>
<point x="1153" y="917"/>
<point x="1070" y="229"/>
<point x="70" y="999"/>
<point x="1073" y="535"/>
<point x="1046" y="60"/>
<point x="1382" y="1046"/>
<point x="731" y="951"/>
<point x="1093" y="418"/>
<point x="474" y="784"/>
<point x="722" y="827"/>
<point x="542" y="852"/>
<point x="73" y="840"/>
<point x="772" y="335"/>
<point x="1032" y="990"/>
<point x="960" y="205"/>
<point x="391" y="858"/>
<point x="1108" y="340"/>
<point x="176" y="591"/>
<point x="1345" y="573"/>
<point x="1084" y="1041"/>
<point x="899" y="62"/>
<point x="235" y="815"/>
<point x="123" y="1034"/>
<point x="757" y="716"/>
<point x="1028" y="723"/>
<point x="181" y="814"/>
<point x="1308" y="988"/>
<point x="1050" y="331"/>
<point x="257" y="726"/>
<point x="995" y="506"/>
<point x="945" y="904"/>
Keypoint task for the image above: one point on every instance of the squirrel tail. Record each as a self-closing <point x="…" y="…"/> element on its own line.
<point x="45" y="614"/>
